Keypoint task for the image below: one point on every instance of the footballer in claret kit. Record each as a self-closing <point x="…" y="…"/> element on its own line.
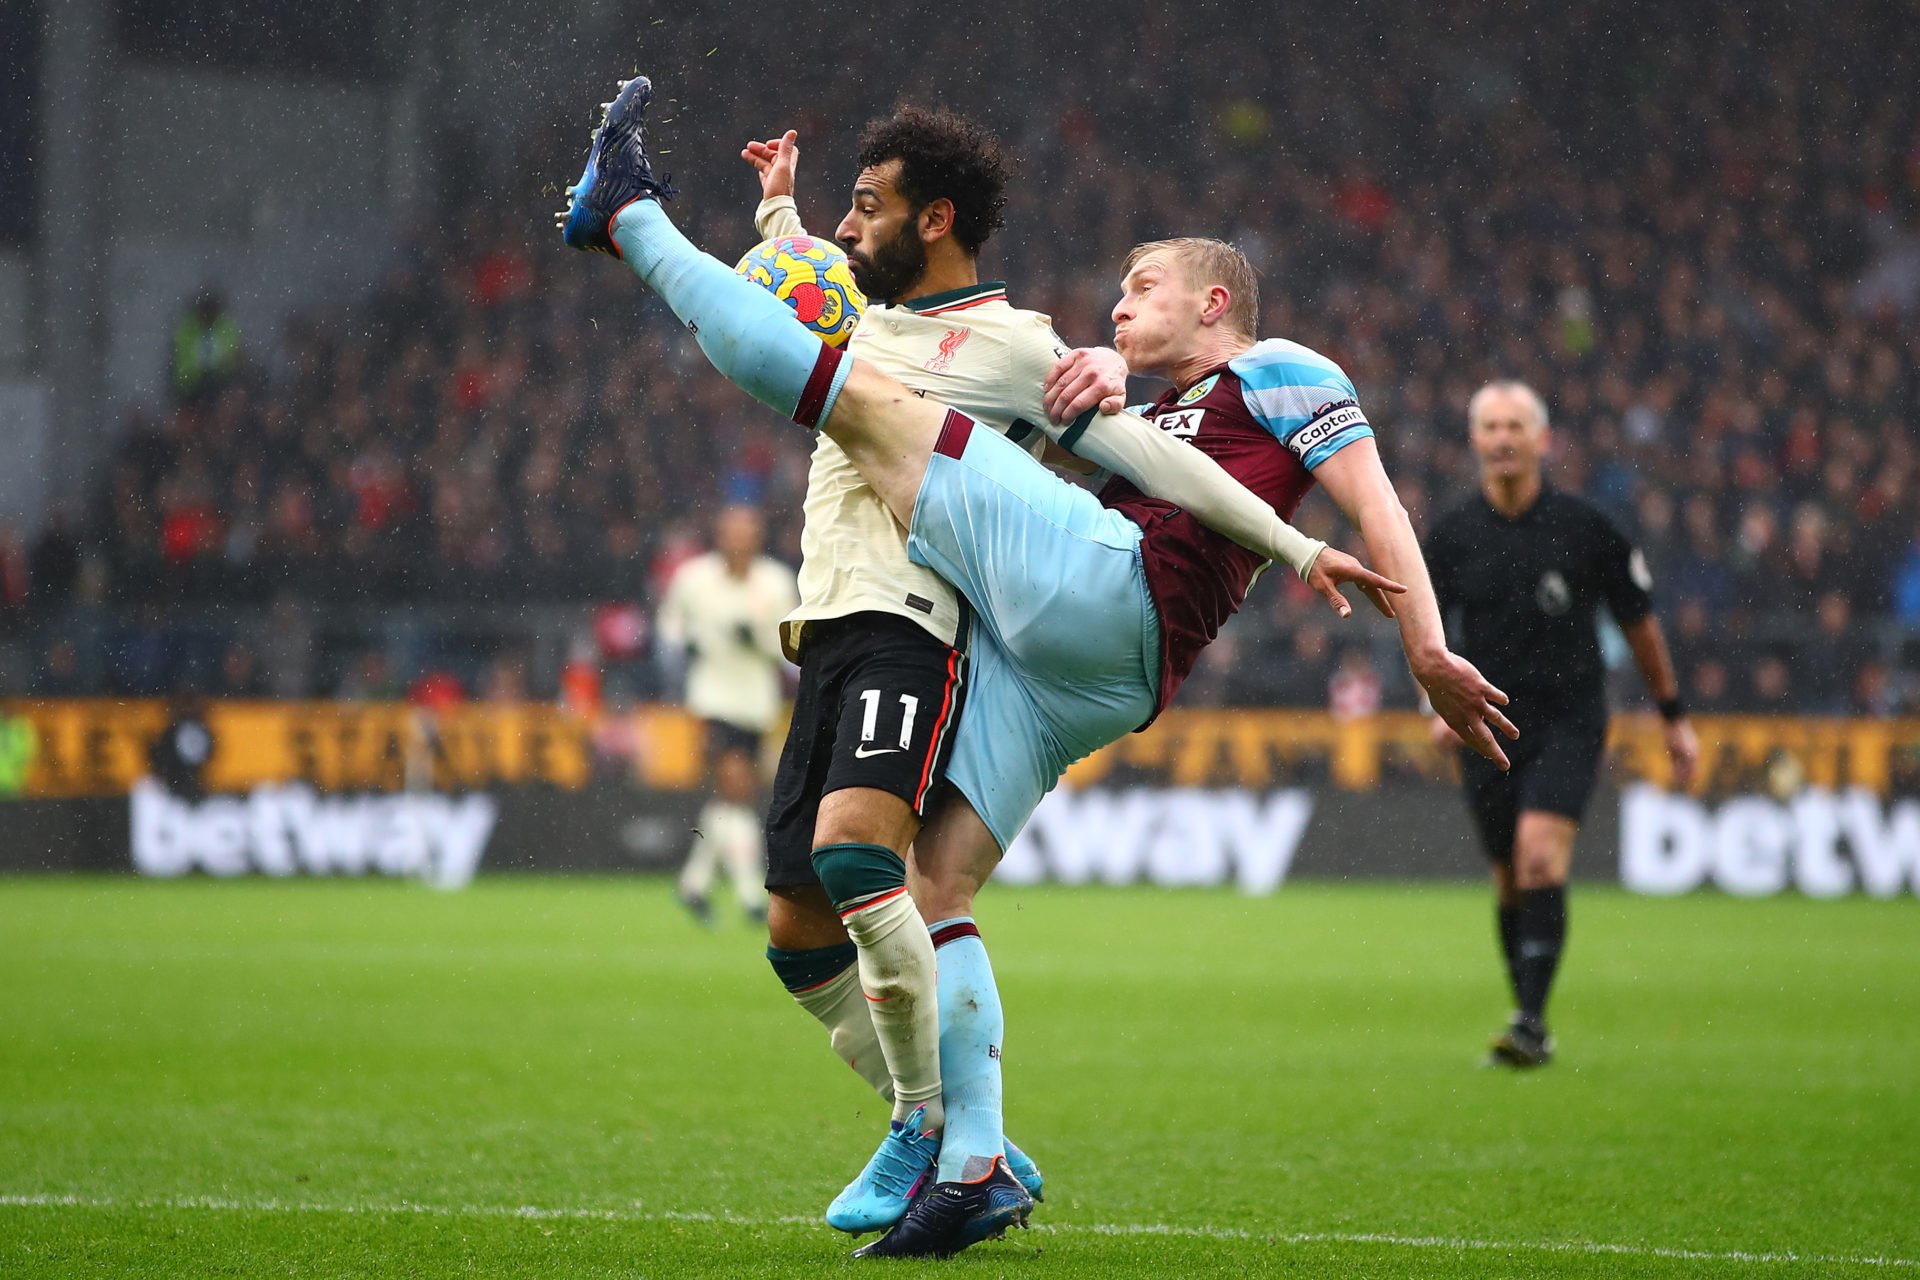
<point x="1082" y="637"/>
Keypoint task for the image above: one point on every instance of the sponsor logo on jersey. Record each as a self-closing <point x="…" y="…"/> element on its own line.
<point x="1198" y="390"/>
<point x="950" y="345"/>
<point x="1553" y="595"/>
<point x="1328" y="421"/>
<point x="1184" y="425"/>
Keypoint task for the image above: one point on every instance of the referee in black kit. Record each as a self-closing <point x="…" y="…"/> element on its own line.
<point x="1519" y="572"/>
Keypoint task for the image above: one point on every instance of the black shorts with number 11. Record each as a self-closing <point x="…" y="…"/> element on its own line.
<point x="878" y="703"/>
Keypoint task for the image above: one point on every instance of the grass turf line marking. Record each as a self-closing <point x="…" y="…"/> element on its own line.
<point x="545" y="1213"/>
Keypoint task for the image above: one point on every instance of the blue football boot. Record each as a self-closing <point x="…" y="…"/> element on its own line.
<point x="878" y="1198"/>
<point x="617" y="173"/>
<point x="1021" y="1166"/>
<point x="950" y="1216"/>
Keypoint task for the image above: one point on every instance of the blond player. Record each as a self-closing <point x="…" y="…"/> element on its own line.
<point x="722" y="614"/>
<point x="883" y="641"/>
<point x="1074" y="642"/>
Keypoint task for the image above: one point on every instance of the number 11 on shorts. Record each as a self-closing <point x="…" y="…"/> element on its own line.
<point x="870" y="721"/>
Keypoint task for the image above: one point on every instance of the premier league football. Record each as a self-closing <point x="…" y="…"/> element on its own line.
<point x="1062" y="643"/>
<point x="814" y="278"/>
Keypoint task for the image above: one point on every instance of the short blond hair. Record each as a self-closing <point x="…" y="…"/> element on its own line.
<point x="1512" y="386"/>
<point x="1210" y="262"/>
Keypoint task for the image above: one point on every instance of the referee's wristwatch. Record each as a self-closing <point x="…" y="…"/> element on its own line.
<point x="1671" y="709"/>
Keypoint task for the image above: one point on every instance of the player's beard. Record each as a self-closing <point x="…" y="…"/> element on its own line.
<point x="894" y="267"/>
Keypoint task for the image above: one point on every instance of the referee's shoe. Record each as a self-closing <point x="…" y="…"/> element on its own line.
<point x="1521" y="1046"/>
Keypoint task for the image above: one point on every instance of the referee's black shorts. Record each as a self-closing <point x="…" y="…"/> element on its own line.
<point x="878" y="702"/>
<point x="1556" y="761"/>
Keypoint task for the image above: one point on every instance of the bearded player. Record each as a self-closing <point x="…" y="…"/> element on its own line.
<point x="1098" y="606"/>
<point x="883" y="642"/>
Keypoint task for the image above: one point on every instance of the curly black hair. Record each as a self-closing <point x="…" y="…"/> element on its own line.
<point x="944" y="155"/>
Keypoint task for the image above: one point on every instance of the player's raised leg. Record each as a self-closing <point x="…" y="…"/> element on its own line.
<point x="749" y="335"/>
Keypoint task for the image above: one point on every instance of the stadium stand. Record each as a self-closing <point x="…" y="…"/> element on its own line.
<point x="1702" y="250"/>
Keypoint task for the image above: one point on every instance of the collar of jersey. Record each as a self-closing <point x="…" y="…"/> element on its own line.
<point x="973" y="295"/>
<point x="1546" y="487"/>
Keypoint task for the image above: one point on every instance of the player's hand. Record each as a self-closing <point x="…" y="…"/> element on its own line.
<point x="1468" y="702"/>
<point x="775" y="160"/>
<point x="1083" y="379"/>
<point x="1683" y="749"/>
<point x="1443" y="735"/>
<point x="1333" y="567"/>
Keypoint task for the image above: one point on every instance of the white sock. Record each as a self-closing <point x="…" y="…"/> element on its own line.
<point x="841" y="1007"/>
<point x="898" y="977"/>
<point x="743" y="848"/>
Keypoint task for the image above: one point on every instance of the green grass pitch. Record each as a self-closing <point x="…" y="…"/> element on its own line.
<point x="569" y="1078"/>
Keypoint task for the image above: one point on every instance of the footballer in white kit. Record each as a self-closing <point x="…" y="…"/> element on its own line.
<point x="884" y="642"/>
<point x="721" y="614"/>
<point x="864" y="754"/>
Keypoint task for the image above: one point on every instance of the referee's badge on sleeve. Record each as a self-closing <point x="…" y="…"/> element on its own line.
<point x="1637" y="570"/>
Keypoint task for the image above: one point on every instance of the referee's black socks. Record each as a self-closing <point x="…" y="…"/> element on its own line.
<point x="1539" y="932"/>
<point x="1509" y="942"/>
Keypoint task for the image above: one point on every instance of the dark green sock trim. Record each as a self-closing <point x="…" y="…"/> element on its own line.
<point x="803" y="970"/>
<point x="851" y="872"/>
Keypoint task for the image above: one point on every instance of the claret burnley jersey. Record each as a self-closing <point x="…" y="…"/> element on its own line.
<point x="1269" y="416"/>
<point x="970" y="350"/>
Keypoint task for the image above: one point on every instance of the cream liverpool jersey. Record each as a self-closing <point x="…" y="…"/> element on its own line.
<point x="731" y="629"/>
<point x="968" y="349"/>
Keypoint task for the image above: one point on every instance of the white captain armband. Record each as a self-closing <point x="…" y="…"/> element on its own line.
<point x="1333" y="426"/>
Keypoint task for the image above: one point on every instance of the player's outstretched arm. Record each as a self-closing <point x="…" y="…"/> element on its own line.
<point x="1355" y="479"/>
<point x="1082" y="384"/>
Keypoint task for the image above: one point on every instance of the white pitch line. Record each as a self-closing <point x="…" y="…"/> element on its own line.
<point x="403" y="1208"/>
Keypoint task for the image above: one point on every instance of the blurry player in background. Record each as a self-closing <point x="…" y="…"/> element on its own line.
<point x="722" y="613"/>
<point x="1527" y="567"/>
<point x="1094" y="609"/>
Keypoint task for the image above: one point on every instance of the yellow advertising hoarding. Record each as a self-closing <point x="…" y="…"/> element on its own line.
<point x="100" y="746"/>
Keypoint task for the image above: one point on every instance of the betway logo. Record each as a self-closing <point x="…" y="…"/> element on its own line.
<point x="1173" y="836"/>
<point x="1820" y="843"/>
<point x="283" y="831"/>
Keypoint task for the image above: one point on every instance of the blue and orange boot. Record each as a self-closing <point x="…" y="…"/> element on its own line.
<point x="617" y="173"/>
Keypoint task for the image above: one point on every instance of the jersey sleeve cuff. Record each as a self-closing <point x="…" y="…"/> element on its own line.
<point x="776" y="213"/>
<point x="1327" y="448"/>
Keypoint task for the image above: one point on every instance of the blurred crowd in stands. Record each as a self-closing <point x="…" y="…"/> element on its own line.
<point x="1702" y="247"/>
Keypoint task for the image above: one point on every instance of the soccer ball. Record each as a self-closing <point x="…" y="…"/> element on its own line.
<point x="814" y="278"/>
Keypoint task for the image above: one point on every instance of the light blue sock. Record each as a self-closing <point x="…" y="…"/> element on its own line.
<point x="750" y="336"/>
<point x="971" y="1028"/>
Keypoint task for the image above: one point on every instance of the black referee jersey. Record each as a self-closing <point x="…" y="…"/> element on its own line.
<point x="1520" y="596"/>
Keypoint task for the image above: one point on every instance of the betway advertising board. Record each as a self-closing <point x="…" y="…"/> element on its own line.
<point x="294" y="830"/>
<point x="1821" y="843"/>
<point x="1241" y="799"/>
<point x="1818" y="843"/>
